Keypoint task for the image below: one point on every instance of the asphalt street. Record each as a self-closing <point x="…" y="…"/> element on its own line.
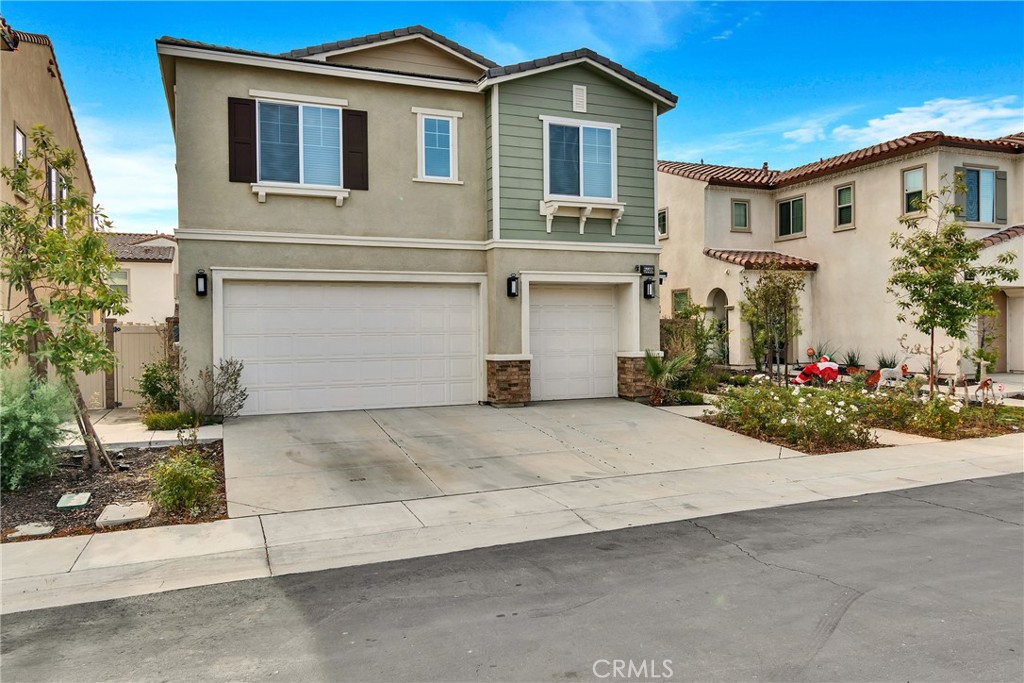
<point x="919" y="585"/>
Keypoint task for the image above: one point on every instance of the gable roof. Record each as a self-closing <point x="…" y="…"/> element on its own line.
<point x="1002" y="236"/>
<point x="740" y="177"/>
<point x="575" y="56"/>
<point x="131" y="246"/>
<point x="494" y="73"/>
<point x="387" y="36"/>
<point x="753" y="259"/>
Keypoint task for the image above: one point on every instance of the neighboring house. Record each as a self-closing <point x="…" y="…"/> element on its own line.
<point x="832" y="219"/>
<point x="394" y="220"/>
<point x="33" y="94"/>
<point x="147" y="275"/>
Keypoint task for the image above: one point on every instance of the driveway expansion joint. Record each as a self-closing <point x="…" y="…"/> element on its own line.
<point x="404" y="452"/>
<point x="951" y="507"/>
<point x="80" y="553"/>
<point x="266" y="546"/>
<point x="772" y="565"/>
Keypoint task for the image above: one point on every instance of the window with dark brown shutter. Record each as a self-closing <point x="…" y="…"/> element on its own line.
<point x="355" y="153"/>
<point x="241" y="140"/>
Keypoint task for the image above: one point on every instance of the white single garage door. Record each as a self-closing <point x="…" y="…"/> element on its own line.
<point x="341" y="346"/>
<point x="573" y="339"/>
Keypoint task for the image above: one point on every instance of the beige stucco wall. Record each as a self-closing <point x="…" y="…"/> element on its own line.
<point x="31" y="96"/>
<point x="150" y="291"/>
<point x="413" y="56"/>
<point x="395" y="204"/>
<point x="846" y="301"/>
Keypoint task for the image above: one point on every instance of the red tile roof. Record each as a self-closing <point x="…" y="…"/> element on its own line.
<point x="1002" y="236"/>
<point x="763" y="178"/>
<point x="757" y="260"/>
<point x="131" y="246"/>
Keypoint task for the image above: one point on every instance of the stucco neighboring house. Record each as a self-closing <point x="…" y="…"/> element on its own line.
<point x="832" y="220"/>
<point x="33" y="94"/>
<point x="394" y="220"/>
<point x="147" y="274"/>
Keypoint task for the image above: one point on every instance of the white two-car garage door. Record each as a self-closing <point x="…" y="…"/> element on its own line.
<point x="340" y="346"/>
<point x="573" y="339"/>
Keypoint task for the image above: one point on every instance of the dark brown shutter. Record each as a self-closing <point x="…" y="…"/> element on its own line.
<point x="960" y="198"/>
<point x="355" y="145"/>
<point x="1001" y="197"/>
<point x="241" y="140"/>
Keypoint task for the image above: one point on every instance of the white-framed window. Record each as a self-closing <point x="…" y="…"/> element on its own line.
<point x="844" y="206"/>
<point x="20" y="146"/>
<point x="980" y="197"/>
<point x="118" y="281"/>
<point x="913" y="188"/>
<point x="680" y="300"/>
<point x="580" y="160"/>
<point x="53" y="195"/>
<point x="790" y="217"/>
<point x="437" y="145"/>
<point x="299" y="143"/>
<point x="741" y="215"/>
<point x="663" y="223"/>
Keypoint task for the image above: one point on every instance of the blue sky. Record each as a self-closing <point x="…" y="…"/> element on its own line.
<point x="781" y="82"/>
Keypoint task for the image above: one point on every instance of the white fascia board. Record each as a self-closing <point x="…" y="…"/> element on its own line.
<point x="581" y="60"/>
<point x="296" y="97"/>
<point x="306" y="67"/>
<point x="400" y="39"/>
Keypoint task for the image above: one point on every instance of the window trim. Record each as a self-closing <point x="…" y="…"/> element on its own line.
<point x="53" y="195"/>
<point x="127" y="282"/>
<point x="20" y="140"/>
<point x="263" y="187"/>
<point x="903" y="187"/>
<point x="681" y="290"/>
<point x="657" y="224"/>
<point x="791" y="236"/>
<point x="422" y="114"/>
<point x="995" y="179"/>
<point x="852" y="225"/>
<point x="732" y="215"/>
<point x="546" y="122"/>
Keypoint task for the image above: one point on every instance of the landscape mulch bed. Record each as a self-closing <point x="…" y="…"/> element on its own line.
<point x="38" y="501"/>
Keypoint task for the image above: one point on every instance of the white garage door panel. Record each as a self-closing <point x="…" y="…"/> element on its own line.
<point x="573" y="340"/>
<point x="343" y="346"/>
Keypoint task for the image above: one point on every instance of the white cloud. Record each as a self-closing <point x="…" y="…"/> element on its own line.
<point x="812" y="132"/>
<point x="968" y="117"/>
<point x="724" y="35"/>
<point x="133" y="169"/>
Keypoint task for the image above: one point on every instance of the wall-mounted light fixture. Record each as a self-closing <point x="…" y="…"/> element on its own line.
<point x="662" y="276"/>
<point x="512" y="285"/>
<point x="649" y="288"/>
<point x="201" y="288"/>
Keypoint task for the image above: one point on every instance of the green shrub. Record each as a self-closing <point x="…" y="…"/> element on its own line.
<point x="689" y="398"/>
<point x="158" y="386"/>
<point x="171" y="420"/>
<point x="888" y="360"/>
<point x="31" y="415"/>
<point x="805" y="418"/>
<point x="739" y="380"/>
<point x="184" y="481"/>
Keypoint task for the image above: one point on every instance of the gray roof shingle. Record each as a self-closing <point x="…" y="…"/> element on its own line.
<point x="391" y="35"/>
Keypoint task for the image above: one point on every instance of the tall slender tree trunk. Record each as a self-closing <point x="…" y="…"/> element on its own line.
<point x="931" y="365"/>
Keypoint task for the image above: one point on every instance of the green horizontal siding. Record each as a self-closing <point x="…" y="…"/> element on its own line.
<point x="521" y="152"/>
<point x="488" y="165"/>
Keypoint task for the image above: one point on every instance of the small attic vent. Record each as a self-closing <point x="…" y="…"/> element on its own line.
<point x="579" y="98"/>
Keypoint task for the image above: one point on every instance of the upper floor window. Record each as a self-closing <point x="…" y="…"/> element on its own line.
<point x="983" y="199"/>
<point x="844" y="206"/>
<point x="55" y="193"/>
<point x="118" y="281"/>
<point x="299" y="143"/>
<point x="437" y="147"/>
<point x="20" y="146"/>
<point x="790" y="217"/>
<point x="663" y="223"/>
<point x="741" y="215"/>
<point x="913" y="189"/>
<point x="580" y="159"/>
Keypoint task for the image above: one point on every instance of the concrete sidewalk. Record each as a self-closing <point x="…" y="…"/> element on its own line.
<point x="122" y="428"/>
<point x="63" y="571"/>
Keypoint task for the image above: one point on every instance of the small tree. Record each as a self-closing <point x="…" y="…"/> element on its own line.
<point x="53" y="256"/>
<point x="771" y="309"/>
<point x="662" y="372"/>
<point x="935" y="275"/>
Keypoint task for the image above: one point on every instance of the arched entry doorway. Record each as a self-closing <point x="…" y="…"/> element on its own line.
<point x="718" y="308"/>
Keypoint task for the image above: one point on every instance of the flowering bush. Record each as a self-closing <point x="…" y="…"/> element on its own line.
<point x="814" y="420"/>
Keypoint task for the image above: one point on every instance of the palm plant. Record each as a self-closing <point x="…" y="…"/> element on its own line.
<point x="661" y="373"/>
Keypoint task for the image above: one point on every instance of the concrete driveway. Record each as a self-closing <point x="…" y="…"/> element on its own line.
<point x="285" y="463"/>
